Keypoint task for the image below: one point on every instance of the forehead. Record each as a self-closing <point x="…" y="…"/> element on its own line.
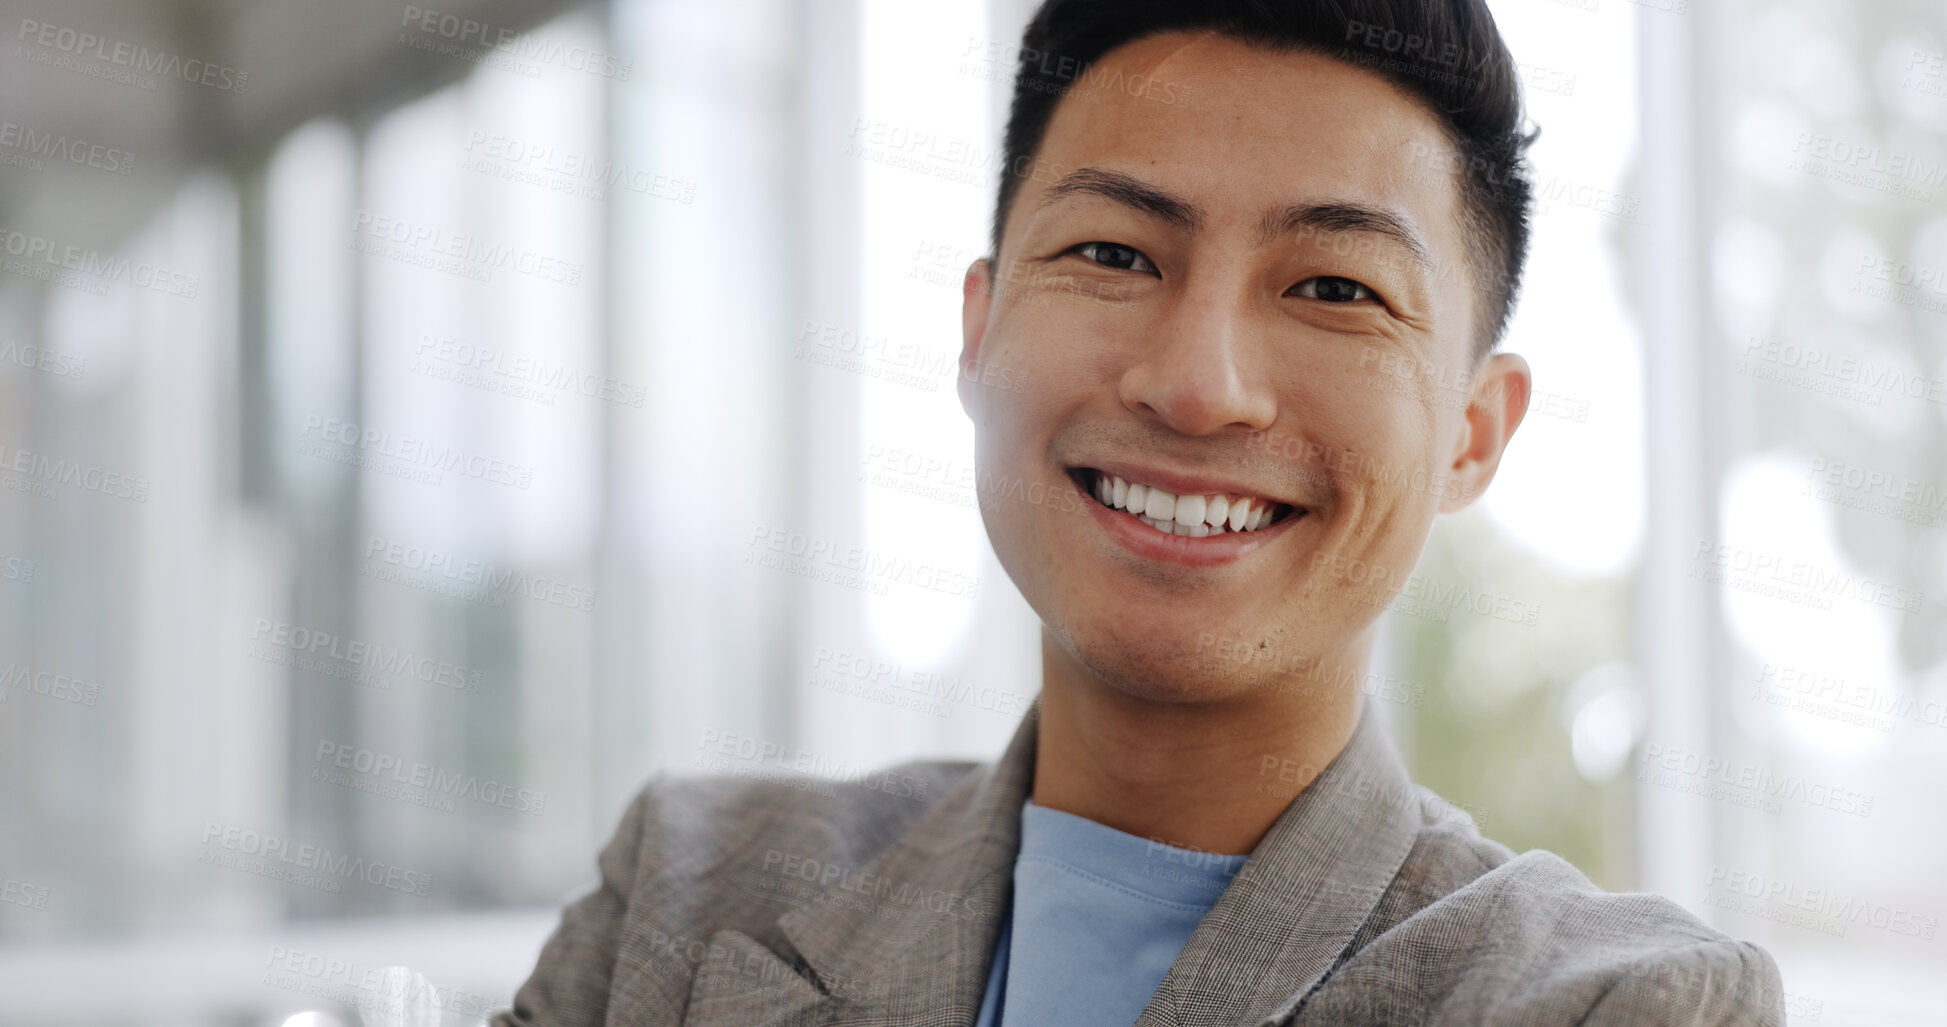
<point x="1240" y="128"/>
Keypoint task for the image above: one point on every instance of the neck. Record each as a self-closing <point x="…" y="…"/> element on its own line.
<point x="1210" y="775"/>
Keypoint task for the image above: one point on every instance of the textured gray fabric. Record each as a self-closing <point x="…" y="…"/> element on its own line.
<point x="1371" y="901"/>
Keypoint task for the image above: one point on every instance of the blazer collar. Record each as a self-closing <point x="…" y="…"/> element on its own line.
<point x="1292" y="911"/>
<point x="1285" y="921"/>
<point x="942" y="889"/>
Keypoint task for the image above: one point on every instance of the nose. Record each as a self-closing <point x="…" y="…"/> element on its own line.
<point x="1197" y="372"/>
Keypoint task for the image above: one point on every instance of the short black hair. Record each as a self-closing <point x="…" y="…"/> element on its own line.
<point x="1447" y="53"/>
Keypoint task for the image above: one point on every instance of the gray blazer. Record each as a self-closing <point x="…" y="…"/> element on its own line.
<point x="741" y="903"/>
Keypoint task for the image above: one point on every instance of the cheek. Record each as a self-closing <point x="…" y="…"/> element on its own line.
<point x="1380" y="457"/>
<point x="1035" y="374"/>
<point x="1010" y="448"/>
<point x="1355" y="438"/>
<point x="1058" y="340"/>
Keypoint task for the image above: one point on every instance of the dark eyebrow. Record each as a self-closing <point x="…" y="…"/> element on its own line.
<point x="1129" y="191"/>
<point x="1341" y="217"/>
<point x="1327" y="218"/>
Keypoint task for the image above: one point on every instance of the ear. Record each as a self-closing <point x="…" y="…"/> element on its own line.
<point x="976" y="299"/>
<point x="1494" y="410"/>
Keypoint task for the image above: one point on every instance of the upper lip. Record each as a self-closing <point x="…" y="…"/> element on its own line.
<point x="1183" y="483"/>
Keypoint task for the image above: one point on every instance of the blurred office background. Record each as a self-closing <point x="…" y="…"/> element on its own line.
<point x="421" y="423"/>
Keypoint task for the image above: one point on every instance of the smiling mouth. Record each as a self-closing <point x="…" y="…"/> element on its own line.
<point x="1193" y="516"/>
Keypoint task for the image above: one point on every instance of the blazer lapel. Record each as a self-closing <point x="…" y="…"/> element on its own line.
<point x="1298" y="901"/>
<point x="909" y="937"/>
<point x="906" y="938"/>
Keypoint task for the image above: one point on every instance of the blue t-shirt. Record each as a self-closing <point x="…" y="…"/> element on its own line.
<point x="1097" y="918"/>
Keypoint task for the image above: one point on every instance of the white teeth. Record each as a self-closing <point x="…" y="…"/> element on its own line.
<point x="1194" y="516"/>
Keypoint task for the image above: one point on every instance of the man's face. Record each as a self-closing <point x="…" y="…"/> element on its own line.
<point x="1249" y="295"/>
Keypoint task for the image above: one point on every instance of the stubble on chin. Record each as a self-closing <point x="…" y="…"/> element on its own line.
<point x="1150" y="668"/>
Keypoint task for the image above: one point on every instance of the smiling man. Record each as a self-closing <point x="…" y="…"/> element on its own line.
<point x="1254" y="258"/>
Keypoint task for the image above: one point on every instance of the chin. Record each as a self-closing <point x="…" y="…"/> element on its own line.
<point x="1178" y="664"/>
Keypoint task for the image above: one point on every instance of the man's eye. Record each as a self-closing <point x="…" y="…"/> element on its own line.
<point x="1332" y="289"/>
<point x="1116" y="256"/>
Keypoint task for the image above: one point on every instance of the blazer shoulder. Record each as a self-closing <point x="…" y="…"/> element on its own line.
<point x="689" y="828"/>
<point x="1455" y="874"/>
<point x="1537" y="903"/>
<point x="1718" y="982"/>
<point x="1486" y="935"/>
<point x="697" y="856"/>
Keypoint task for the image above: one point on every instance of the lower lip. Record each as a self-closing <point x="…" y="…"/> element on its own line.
<point x="1208" y="551"/>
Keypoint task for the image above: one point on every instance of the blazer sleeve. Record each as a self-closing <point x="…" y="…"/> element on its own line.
<point x="1722" y="983"/>
<point x="570" y="983"/>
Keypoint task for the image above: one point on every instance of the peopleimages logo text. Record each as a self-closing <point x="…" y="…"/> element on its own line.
<point x="374" y="656"/>
<point x="480" y="573"/>
<point x="403" y="454"/>
<point x="433" y="779"/>
<point x="84" y="261"/>
<point x="313" y="858"/>
<point x="128" y="55"/>
<point x="62" y="148"/>
<point x="57" y="471"/>
<point x="524" y="45"/>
